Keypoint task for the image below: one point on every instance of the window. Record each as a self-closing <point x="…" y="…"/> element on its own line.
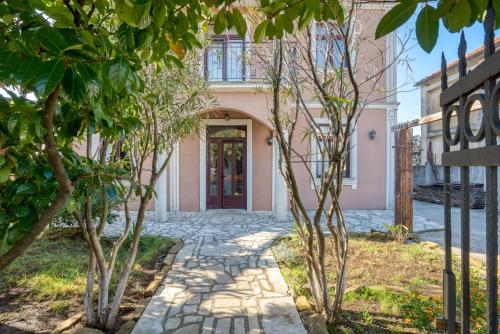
<point x="224" y="59"/>
<point x="329" y="45"/>
<point x="319" y="154"/>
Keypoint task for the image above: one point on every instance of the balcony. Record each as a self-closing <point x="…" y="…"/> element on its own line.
<point x="233" y="61"/>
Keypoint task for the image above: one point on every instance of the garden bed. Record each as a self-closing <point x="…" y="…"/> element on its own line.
<point x="45" y="286"/>
<point x="391" y="287"/>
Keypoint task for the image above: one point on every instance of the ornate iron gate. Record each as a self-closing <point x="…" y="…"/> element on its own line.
<point x="480" y="85"/>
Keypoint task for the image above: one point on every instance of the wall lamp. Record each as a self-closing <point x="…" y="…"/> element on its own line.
<point x="371" y="134"/>
<point x="226" y="117"/>
<point x="270" y="138"/>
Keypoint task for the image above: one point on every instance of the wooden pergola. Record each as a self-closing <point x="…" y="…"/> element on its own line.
<point x="403" y="169"/>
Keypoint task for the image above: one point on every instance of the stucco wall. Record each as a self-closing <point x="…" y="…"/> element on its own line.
<point x="370" y="190"/>
<point x="262" y="168"/>
<point x="189" y="174"/>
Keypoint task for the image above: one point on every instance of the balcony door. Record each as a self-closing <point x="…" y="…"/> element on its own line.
<point x="226" y="167"/>
<point x="224" y="59"/>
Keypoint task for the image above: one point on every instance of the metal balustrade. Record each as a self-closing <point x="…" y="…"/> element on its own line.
<point x="236" y="61"/>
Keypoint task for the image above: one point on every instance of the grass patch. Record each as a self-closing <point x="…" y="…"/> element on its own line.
<point x="52" y="273"/>
<point x="391" y="288"/>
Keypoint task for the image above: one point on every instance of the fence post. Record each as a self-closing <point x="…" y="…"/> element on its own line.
<point x="403" y="208"/>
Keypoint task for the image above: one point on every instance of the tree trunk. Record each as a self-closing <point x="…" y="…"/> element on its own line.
<point x="122" y="283"/>
<point x="64" y="191"/>
<point x="88" y="298"/>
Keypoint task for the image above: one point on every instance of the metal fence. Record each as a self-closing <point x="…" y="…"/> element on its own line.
<point x="480" y="85"/>
<point x="236" y="61"/>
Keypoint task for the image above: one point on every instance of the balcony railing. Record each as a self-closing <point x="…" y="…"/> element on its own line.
<point x="236" y="61"/>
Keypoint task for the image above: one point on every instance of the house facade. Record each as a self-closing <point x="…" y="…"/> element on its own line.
<point x="430" y="169"/>
<point x="233" y="163"/>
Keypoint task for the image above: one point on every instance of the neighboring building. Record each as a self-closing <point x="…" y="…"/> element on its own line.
<point x="432" y="139"/>
<point x="234" y="163"/>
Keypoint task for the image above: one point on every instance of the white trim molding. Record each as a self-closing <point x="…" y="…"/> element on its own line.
<point x="391" y="85"/>
<point x="391" y="142"/>
<point x="203" y="159"/>
<point x="174" y="178"/>
<point x="238" y="87"/>
<point x="161" y="191"/>
<point x="380" y="105"/>
<point x="279" y="187"/>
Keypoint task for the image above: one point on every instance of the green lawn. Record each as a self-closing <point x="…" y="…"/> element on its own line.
<point x="52" y="273"/>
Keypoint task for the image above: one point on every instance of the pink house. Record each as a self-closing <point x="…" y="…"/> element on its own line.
<point x="233" y="164"/>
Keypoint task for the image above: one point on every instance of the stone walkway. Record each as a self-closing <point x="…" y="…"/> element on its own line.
<point x="225" y="279"/>
<point x="181" y="224"/>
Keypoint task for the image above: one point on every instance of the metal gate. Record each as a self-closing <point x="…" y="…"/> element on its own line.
<point x="480" y="85"/>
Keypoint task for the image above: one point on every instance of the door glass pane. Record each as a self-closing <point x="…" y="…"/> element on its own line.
<point x="213" y="191"/>
<point x="239" y="177"/>
<point x="226" y="131"/>
<point x="215" y="61"/>
<point x="228" y="168"/>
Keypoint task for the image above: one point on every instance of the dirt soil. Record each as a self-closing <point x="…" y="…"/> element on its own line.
<point x="20" y="313"/>
<point x="379" y="272"/>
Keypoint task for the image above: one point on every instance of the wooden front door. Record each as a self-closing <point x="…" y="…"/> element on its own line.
<point x="226" y="168"/>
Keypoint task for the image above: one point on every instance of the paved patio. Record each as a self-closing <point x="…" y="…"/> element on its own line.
<point x="225" y="279"/>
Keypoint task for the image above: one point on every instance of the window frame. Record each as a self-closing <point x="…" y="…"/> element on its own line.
<point x="226" y="39"/>
<point x="334" y="60"/>
<point x="350" y="179"/>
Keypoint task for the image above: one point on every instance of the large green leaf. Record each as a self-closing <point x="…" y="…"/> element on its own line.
<point x="459" y="16"/>
<point x="135" y="14"/>
<point x="49" y="76"/>
<point x="260" y="31"/>
<point x="25" y="132"/>
<point x="220" y="22"/>
<point x="9" y="62"/>
<point x="285" y="22"/>
<point x="90" y="80"/>
<point x="496" y="5"/>
<point x="160" y="13"/>
<point x="396" y="17"/>
<point x="52" y="40"/>
<point x="74" y="85"/>
<point x="28" y="69"/>
<point x="62" y="16"/>
<point x="4" y="174"/>
<point x="125" y="35"/>
<point x="118" y="74"/>
<point x="427" y="28"/>
<point x="12" y="123"/>
<point x="26" y="188"/>
<point x="239" y="22"/>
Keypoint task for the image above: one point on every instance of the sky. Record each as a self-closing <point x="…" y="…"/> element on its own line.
<point x="420" y="64"/>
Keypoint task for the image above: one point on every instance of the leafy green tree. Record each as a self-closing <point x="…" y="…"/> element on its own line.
<point x="167" y="111"/>
<point x="65" y="66"/>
